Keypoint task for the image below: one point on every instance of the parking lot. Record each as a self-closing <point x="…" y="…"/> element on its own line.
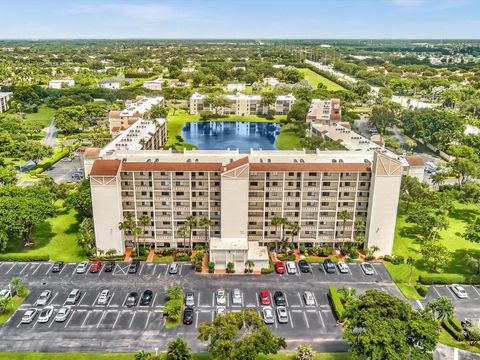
<point x="141" y="325"/>
<point x="63" y="171"/>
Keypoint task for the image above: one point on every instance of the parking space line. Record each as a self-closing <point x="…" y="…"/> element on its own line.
<point x="196" y="319"/>
<point x="69" y="319"/>
<point x="38" y="267"/>
<point x="321" y="319"/>
<point x="74" y="270"/>
<point x="53" y="298"/>
<point x="83" y="296"/>
<point x="131" y="321"/>
<point x="148" y="319"/>
<point x="26" y="265"/>
<point x="50" y="268"/>
<point x="306" y="319"/>
<point x="153" y="301"/>
<point x="85" y="320"/>
<point x="115" y="323"/>
<point x="166" y="271"/>
<point x="181" y="268"/>
<point x="291" y="319"/>
<point x="213" y="299"/>
<point x="10" y="268"/>
<point x="256" y="298"/>
<point x="141" y="269"/>
<point x="435" y="289"/>
<point x="198" y="299"/>
<point x="299" y="298"/>
<point x="474" y="288"/>
<point x="109" y="301"/>
<point x="104" y="313"/>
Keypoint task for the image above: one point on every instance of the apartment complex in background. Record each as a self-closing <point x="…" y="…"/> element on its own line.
<point x="110" y="84"/>
<point x="234" y="87"/>
<point x="134" y="110"/>
<point x="324" y="111"/>
<point x="4" y="99"/>
<point x="241" y="104"/>
<point x="155" y="85"/>
<point x="62" y="83"/>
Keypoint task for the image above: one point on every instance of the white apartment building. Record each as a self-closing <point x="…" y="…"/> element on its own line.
<point x="134" y="110"/>
<point x="155" y="85"/>
<point x="271" y="81"/>
<point x="110" y="84"/>
<point x="60" y="84"/>
<point x="234" y="87"/>
<point x="324" y="111"/>
<point x="4" y="99"/>
<point x="284" y="103"/>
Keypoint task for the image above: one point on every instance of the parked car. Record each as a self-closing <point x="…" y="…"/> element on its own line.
<point x="309" y="298"/>
<point x="343" y="267"/>
<point x="304" y="266"/>
<point x="189" y="299"/>
<point x="236" y="297"/>
<point x="104" y="297"/>
<point x="43" y="298"/>
<point x="220" y="310"/>
<point x="329" y="266"/>
<point x="188" y="316"/>
<point x="29" y="316"/>
<point x="73" y="297"/>
<point x="109" y="266"/>
<point x="146" y="298"/>
<point x="96" y="266"/>
<point x="57" y="266"/>
<point x="264" y="297"/>
<point x="279" y="267"/>
<point x="367" y="268"/>
<point x="62" y="314"/>
<point x="279" y="298"/>
<point x="45" y="314"/>
<point x="459" y="291"/>
<point x="173" y="268"/>
<point x="282" y="315"/>
<point x="291" y="268"/>
<point x="267" y="313"/>
<point x="133" y="268"/>
<point x="5" y="293"/>
<point x="220" y="297"/>
<point x="132" y="299"/>
<point x="82" y="267"/>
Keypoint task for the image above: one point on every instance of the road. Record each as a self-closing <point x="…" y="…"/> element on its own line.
<point x="50" y="134"/>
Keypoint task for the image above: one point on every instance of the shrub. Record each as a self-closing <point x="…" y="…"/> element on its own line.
<point x="199" y="247"/>
<point x="325" y="250"/>
<point x="303" y="250"/>
<point x="182" y="256"/>
<point x="165" y="251"/>
<point x="397" y="260"/>
<point x="387" y="258"/>
<point x="451" y="330"/>
<point x="268" y="270"/>
<point x="24" y="257"/>
<point x="142" y="251"/>
<point x="230" y="267"/>
<point x="198" y="266"/>
<point x="455" y="323"/>
<point x="51" y="161"/>
<point x="199" y="256"/>
<point x="284" y="257"/>
<point x="211" y="267"/>
<point x="422" y="290"/>
<point x="305" y="352"/>
<point x="354" y="253"/>
<point x="336" y="302"/>
<point x="447" y="279"/>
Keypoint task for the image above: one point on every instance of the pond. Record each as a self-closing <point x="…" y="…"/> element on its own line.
<point x="222" y="135"/>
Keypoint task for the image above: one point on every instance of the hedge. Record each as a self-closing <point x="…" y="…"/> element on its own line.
<point x="447" y="279"/>
<point x="452" y="331"/>
<point x="268" y="270"/>
<point x="338" y="307"/>
<point x="455" y="323"/>
<point x="422" y="290"/>
<point x="24" y="257"/>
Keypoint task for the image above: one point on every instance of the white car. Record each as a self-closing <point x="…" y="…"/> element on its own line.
<point x="367" y="268"/>
<point x="309" y="299"/>
<point x="459" y="291"/>
<point x="267" y="313"/>
<point x="236" y="297"/>
<point x="189" y="299"/>
<point x="291" y="267"/>
<point x="220" y="296"/>
<point x="282" y="315"/>
<point x="73" y="297"/>
<point x="104" y="297"/>
<point x="343" y="267"/>
<point x="62" y="314"/>
<point x="220" y="310"/>
<point x="5" y="293"/>
<point x="82" y="267"/>
<point x="29" y="315"/>
<point x="173" y="268"/>
<point x="45" y="314"/>
<point x="43" y="298"/>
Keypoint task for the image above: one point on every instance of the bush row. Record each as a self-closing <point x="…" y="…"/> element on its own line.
<point x="422" y="290"/>
<point x="338" y="307"/>
<point x="450" y="328"/>
<point x="446" y="279"/>
<point x="24" y="257"/>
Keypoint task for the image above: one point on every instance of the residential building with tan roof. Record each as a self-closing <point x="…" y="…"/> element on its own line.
<point x="324" y="111"/>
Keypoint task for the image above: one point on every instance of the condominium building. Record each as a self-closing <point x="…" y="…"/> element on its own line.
<point x="234" y="87"/>
<point x="324" y="111"/>
<point x="110" y="84"/>
<point x="4" y="99"/>
<point x="121" y="120"/>
<point x="241" y="193"/>
<point x="241" y="104"/>
<point x="62" y="83"/>
<point x="155" y="85"/>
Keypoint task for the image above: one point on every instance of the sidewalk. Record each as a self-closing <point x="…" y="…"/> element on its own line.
<point x="128" y="254"/>
<point x="150" y="256"/>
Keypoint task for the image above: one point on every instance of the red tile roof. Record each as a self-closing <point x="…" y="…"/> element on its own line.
<point x="105" y="168"/>
<point x="310" y="167"/>
<point x="415" y="160"/>
<point x="171" y="166"/>
<point x="92" y="152"/>
<point x="237" y="163"/>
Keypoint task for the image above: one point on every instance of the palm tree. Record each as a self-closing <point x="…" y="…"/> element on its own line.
<point x="127" y="224"/>
<point x="249" y="264"/>
<point x="191" y="222"/>
<point x="142" y="355"/>
<point x="344" y="216"/>
<point x="441" y="308"/>
<point x="144" y="221"/>
<point x="184" y="231"/>
<point x="205" y="222"/>
<point x="295" y="229"/>
<point x="276" y="221"/>
<point x="175" y="293"/>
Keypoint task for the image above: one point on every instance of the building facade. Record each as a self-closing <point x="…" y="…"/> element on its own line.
<point x="324" y="111"/>
<point x="60" y="84"/>
<point x="155" y="85"/>
<point x="110" y="84"/>
<point x="122" y="120"/>
<point x="4" y="99"/>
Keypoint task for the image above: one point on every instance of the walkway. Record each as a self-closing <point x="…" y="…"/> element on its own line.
<point x="50" y="134"/>
<point x="128" y="254"/>
<point x="150" y="256"/>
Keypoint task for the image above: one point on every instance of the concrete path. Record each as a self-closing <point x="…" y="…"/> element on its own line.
<point x="50" y="134"/>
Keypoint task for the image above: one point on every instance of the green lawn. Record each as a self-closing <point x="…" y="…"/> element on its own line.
<point x="43" y="116"/>
<point x="56" y="237"/>
<point x="16" y="302"/>
<point x="314" y="79"/>
<point x="288" y="139"/>
<point x="407" y="244"/>
<point x="163" y="259"/>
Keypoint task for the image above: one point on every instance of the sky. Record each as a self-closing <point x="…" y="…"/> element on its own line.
<point x="247" y="19"/>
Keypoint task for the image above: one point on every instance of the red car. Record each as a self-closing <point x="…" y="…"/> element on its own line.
<point x="264" y="297"/>
<point x="95" y="266"/>
<point x="279" y="267"/>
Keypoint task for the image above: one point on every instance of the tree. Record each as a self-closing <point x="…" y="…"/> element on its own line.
<point x="381" y="326"/>
<point x="217" y="102"/>
<point x="128" y="226"/>
<point x="344" y="215"/>
<point x="173" y="309"/>
<point x="3" y="240"/>
<point x="178" y="349"/>
<point x="86" y="235"/>
<point x="205" y="222"/>
<point x="4" y="304"/>
<point x="184" y="231"/>
<point x="294" y="229"/>
<point x="8" y="175"/>
<point x="304" y="352"/>
<point x="440" y="308"/>
<point x="249" y="264"/>
<point x="191" y="223"/>
<point x="142" y="355"/>
<point x="268" y="98"/>
<point x="410" y="263"/>
<point x="472" y="334"/>
<point x="144" y="221"/>
<point x="298" y="112"/>
<point x="33" y="150"/>
<point x="175" y="293"/>
<point x="382" y="117"/>
<point x="71" y="118"/>
<point x="20" y="288"/>
<point x="81" y="199"/>
<point x="158" y="112"/>
<point x="276" y="221"/>
<point x="239" y="336"/>
<point x="435" y="254"/>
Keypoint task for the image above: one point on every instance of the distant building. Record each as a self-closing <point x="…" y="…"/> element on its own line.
<point x="324" y="111"/>
<point x="234" y="87"/>
<point x="121" y="120"/>
<point x="59" y="84"/>
<point x="155" y="85"/>
<point x="4" y="99"/>
<point x="284" y="103"/>
<point x="271" y="81"/>
<point x="278" y="66"/>
<point x="110" y="84"/>
<point x="416" y="167"/>
<point x="178" y="83"/>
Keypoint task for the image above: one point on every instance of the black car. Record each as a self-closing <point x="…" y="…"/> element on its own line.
<point x="188" y="316"/>
<point x="146" y="298"/>
<point x="329" y="266"/>
<point x="279" y="298"/>
<point x="133" y="268"/>
<point x="109" y="266"/>
<point x="304" y="266"/>
<point x="57" y="267"/>
<point x="132" y="299"/>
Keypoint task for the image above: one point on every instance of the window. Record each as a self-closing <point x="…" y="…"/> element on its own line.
<point x="179" y="173"/>
<point x="144" y="193"/>
<point x="165" y="193"/>
<point x="326" y="183"/>
<point x="312" y="174"/>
